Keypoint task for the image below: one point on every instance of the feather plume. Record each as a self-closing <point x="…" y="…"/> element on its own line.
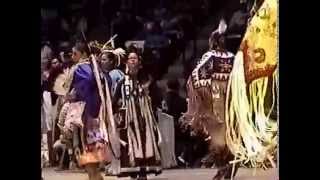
<point x="222" y="26"/>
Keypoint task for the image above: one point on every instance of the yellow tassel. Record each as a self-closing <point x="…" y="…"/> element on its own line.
<point x="250" y="138"/>
<point x="251" y="134"/>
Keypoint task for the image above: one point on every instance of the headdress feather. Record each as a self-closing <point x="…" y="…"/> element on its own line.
<point x="109" y="47"/>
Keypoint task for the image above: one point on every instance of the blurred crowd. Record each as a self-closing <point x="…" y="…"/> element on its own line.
<point x="165" y="26"/>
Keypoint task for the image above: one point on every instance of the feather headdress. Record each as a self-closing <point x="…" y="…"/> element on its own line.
<point x="216" y="34"/>
<point x="222" y="28"/>
<point x="109" y="47"/>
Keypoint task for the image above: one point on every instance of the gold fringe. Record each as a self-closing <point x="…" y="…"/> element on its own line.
<point x="250" y="138"/>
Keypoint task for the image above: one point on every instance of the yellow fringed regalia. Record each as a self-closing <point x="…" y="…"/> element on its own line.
<point x="251" y="130"/>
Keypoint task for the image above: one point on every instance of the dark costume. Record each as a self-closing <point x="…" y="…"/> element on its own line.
<point x="138" y="129"/>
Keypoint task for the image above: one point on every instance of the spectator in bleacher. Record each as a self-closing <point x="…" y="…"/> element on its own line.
<point x="174" y="102"/>
<point x="119" y="26"/>
<point x="237" y="27"/>
<point x="238" y="22"/>
<point x="92" y="13"/>
<point x="46" y="54"/>
<point x="53" y="69"/>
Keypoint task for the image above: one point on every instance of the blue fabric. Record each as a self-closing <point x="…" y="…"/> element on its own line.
<point x="86" y="89"/>
<point x="116" y="75"/>
<point x="108" y="78"/>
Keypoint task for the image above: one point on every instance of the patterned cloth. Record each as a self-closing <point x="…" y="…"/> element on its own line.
<point x="206" y="90"/>
<point x="214" y="65"/>
<point x="74" y="115"/>
<point x="252" y="132"/>
<point x="260" y="42"/>
<point x="138" y="128"/>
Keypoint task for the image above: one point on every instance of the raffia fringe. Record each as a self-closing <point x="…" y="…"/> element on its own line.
<point x="251" y="135"/>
